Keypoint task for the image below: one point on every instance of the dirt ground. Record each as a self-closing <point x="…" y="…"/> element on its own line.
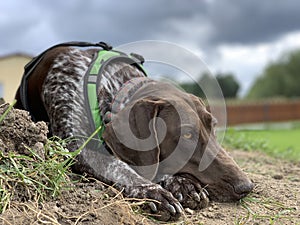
<point x="275" y="199"/>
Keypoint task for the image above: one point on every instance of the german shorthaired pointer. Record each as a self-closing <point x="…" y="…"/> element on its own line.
<point x="155" y="134"/>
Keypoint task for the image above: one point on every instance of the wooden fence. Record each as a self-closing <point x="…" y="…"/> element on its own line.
<point x="268" y="111"/>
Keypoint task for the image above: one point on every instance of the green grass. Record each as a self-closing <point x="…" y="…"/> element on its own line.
<point x="274" y="210"/>
<point x="33" y="177"/>
<point x="7" y="111"/>
<point x="275" y="141"/>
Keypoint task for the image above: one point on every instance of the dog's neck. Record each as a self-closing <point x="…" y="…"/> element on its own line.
<point x="127" y="91"/>
<point x="125" y="94"/>
<point x="118" y="83"/>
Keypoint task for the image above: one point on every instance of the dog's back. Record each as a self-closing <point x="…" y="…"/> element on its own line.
<point x="60" y="60"/>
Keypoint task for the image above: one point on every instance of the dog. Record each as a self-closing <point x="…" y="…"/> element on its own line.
<point x="152" y="135"/>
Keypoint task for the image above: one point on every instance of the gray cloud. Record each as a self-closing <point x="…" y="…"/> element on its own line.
<point x="253" y="21"/>
<point x="32" y="25"/>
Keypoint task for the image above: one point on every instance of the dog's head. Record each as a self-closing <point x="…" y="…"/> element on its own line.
<point x="166" y="131"/>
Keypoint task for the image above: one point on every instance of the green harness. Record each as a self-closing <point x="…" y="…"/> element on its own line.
<point x="93" y="79"/>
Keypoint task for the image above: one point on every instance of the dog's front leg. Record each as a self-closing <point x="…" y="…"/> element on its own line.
<point x="113" y="171"/>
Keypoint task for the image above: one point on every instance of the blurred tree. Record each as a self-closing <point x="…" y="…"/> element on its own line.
<point x="193" y="88"/>
<point x="227" y="82"/>
<point x="280" y="78"/>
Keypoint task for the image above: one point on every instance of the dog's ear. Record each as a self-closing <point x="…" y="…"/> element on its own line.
<point x="134" y="135"/>
<point x="202" y="110"/>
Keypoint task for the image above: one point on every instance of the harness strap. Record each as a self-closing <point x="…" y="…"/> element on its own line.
<point x="92" y="81"/>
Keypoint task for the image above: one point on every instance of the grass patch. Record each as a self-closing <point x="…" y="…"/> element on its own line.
<point x="280" y="143"/>
<point x="35" y="174"/>
<point x="274" y="211"/>
<point x="32" y="176"/>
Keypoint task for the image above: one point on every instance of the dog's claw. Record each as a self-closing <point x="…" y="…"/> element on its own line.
<point x="179" y="208"/>
<point x="171" y="209"/>
<point x="165" y="206"/>
<point x="179" y="197"/>
<point x="153" y="207"/>
<point x="205" y="200"/>
<point x="205" y="192"/>
<point x="196" y="196"/>
<point x="189" y="193"/>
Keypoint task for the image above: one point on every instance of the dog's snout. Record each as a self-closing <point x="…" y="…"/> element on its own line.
<point x="244" y="188"/>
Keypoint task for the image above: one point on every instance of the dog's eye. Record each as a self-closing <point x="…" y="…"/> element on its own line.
<point x="188" y="135"/>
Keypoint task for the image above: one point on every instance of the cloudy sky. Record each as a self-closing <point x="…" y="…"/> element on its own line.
<point x="238" y="36"/>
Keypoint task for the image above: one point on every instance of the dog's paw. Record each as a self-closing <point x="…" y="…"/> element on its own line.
<point x="188" y="192"/>
<point x="161" y="204"/>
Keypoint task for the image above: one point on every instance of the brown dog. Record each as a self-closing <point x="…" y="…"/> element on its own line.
<point x="154" y="137"/>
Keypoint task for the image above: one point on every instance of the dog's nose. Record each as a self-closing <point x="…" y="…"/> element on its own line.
<point x="244" y="188"/>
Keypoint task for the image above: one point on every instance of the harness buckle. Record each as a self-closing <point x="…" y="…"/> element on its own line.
<point x="104" y="45"/>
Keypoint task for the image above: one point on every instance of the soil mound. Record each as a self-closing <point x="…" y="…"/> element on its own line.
<point x="18" y="132"/>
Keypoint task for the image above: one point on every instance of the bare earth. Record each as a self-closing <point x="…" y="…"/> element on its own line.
<point x="275" y="199"/>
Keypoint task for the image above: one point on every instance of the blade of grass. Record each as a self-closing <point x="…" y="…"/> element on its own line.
<point x="7" y="111"/>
